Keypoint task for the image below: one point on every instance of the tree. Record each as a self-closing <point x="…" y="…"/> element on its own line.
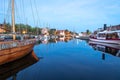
<point x="8" y="28"/>
<point x="52" y="31"/>
<point x="88" y="32"/>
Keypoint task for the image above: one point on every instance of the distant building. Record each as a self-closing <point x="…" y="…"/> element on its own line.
<point x="83" y="34"/>
<point x="108" y="28"/>
<point x="68" y="33"/>
<point x="2" y="29"/>
<point x="60" y="33"/>
<point x="45" y="31"/>
<point x="113" y="28"/>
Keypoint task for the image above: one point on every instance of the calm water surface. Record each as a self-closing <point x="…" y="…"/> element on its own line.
<point x="72" y="60"/>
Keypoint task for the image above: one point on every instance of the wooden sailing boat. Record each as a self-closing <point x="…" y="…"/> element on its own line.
<point x="12" y="50"/>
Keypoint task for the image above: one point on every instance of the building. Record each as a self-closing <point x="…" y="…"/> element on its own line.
<point x="45" y="31"/>
<point x="107" y="28"/>
<point x="113" y="28"/>
<point x="60" y="33"/>
<point x="2" y="29"/>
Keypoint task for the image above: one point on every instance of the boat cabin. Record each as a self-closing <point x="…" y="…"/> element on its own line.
<point x="109" y="35"/>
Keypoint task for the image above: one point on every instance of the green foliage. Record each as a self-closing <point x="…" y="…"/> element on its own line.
<point x="88" y="31"/>
<point x="52" y="31"/>
<point x="22" y="27"/>
<point x="31" y="30"/>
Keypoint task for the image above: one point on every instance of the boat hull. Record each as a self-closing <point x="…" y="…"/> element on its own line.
<point x="105" y="41"/>
<point x="11" y="54"/>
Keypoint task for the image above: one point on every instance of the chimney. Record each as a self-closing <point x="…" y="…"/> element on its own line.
<point x="105" y="27"/>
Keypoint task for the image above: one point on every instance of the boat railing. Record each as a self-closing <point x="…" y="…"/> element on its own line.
<point x="12" y="44"/>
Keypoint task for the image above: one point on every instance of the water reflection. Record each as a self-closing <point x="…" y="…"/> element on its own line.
<point x="55" y="40"/>
<point x="12" y="68"/>
<point x="112" y="49"/>
<point x="74" y="60"/>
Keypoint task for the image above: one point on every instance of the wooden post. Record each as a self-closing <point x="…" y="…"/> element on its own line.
<point x="13" y="21"/>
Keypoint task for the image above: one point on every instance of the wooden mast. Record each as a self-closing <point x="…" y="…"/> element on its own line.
<point x="13" y="20"/>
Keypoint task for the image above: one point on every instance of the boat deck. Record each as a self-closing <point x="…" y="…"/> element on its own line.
<point x="15" y="43"/>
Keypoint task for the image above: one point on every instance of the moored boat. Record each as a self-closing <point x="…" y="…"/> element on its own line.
<point x="107" y="36"/>
<point x="14" y="49"/>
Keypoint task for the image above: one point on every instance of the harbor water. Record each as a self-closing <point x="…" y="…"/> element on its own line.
<point x="72" y="60"/>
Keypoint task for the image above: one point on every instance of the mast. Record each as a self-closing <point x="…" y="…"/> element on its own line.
<point x="13" y="20"/>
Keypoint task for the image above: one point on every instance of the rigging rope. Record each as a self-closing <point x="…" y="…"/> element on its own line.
<point x="17" y="11"/>
<point x="8" y="10"/>
<point x="32" y="11"/>
<point x="38" y="17"/>
<point x="24" y="14"/>
<point x="38" y="22"/>
<point x="23" y="9"/>
<point x="4" y="9"/>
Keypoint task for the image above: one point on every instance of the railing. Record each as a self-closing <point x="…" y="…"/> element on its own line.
<point x="12" y="44"/>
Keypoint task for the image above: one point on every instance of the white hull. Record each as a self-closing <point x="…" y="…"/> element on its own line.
<point x="106" y="41"/>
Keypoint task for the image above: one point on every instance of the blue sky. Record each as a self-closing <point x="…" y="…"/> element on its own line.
<point x="74" y="15"/>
